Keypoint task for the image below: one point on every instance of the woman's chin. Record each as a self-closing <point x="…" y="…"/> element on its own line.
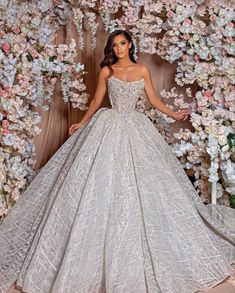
<point x="121" y="56"/>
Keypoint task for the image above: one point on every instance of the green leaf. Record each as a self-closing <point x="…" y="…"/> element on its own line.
<point x="231" y="139"/>
<point x="232" y="200"/>
<point x="67" y="62"/>
<point x="52" y="58"/>
<point x="226" y="122"/>
<point x="29" y="57"/>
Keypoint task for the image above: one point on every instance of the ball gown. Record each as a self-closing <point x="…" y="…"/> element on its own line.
<point x="113" y="211"/>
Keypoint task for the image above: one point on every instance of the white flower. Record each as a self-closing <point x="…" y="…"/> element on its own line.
<point x="222" y="139"/>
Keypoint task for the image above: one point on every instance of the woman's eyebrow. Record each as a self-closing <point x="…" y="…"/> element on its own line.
<point x="119" y="42"/>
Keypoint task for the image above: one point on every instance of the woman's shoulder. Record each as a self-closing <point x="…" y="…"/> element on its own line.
<point x="142" y="68"/>
<point x="104" y="72"/>
<point x="105" y="69"/>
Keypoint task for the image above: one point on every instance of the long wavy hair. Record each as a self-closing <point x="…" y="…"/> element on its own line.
<point x="109" y="56"/>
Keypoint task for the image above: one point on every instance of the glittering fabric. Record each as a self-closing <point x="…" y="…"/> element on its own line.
<point x="113" y="211"/>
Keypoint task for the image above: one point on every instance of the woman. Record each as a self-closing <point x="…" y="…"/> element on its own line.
<point x="112" y="210"/>
<point x="119" y="62"/>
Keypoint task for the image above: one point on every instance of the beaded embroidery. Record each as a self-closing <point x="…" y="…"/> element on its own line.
<point x="124" y="103"/>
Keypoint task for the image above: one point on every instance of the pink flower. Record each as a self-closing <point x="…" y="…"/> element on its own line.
<point x="170" y="13"/>
<point x="213" y="17"/>
<point x="187" y="21"/>
<point x="70" y="68"/>
<point x="2" y="34"/>
<point x="230" y="24"/>
<point x="6" y="92"/>
<point x="229" y="40"/>
<point x="186" y="37"/>
<point x="5" y="131"/>
<point x="196" y="57"/>
<point x="199" y="109"/>
<point x="208" y="94"/>
<point x="6" y="47"/>
<point x="60" y="57"/>
<point x="16" y="30"/>
<point x="178" y="26"/>
<point x="224" y="52"/>
<point x="212" y="80"/>
<point x="1" y="93"/>
<point x="34" y="53"/>
<point x="5" y="123"/>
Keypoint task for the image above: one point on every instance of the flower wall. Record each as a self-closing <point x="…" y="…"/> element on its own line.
<point x="198" y="35"/>
<point x="30" y="65"/>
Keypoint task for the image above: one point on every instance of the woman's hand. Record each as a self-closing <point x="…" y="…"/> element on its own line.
<point x="74" y="127"/>
<point x="181" y="115"/>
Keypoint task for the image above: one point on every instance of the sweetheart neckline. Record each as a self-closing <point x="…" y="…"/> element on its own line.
<point x="126" y="81"/>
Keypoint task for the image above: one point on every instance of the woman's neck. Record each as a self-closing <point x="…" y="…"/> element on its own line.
<point x="122" y="63"/>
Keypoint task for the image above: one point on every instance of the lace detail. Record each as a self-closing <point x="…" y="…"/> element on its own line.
<point x="113" y="211"/>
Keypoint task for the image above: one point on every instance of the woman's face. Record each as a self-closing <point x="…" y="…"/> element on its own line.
<point x="121" y="46"/>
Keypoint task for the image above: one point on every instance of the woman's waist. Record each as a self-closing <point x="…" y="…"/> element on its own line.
<point x="123" y="112"/>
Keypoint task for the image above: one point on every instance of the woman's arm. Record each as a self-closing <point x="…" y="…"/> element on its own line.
<point x="156" y="101"/>
<point x="96" y="101"/>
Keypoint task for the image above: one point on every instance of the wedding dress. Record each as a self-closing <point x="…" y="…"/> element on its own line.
<point x="113" y="211"/>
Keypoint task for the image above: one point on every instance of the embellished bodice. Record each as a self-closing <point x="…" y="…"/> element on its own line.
<point x="123" y="95"/>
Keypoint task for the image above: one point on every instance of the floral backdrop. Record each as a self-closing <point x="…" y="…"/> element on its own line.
<point x="198" y="35"/>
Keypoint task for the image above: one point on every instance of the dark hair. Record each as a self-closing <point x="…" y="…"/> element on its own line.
<point x="109" y="56"/>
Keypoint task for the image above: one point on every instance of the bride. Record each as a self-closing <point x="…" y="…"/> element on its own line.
<point x="113" y="210"/>
<point x="119" y="63"/>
